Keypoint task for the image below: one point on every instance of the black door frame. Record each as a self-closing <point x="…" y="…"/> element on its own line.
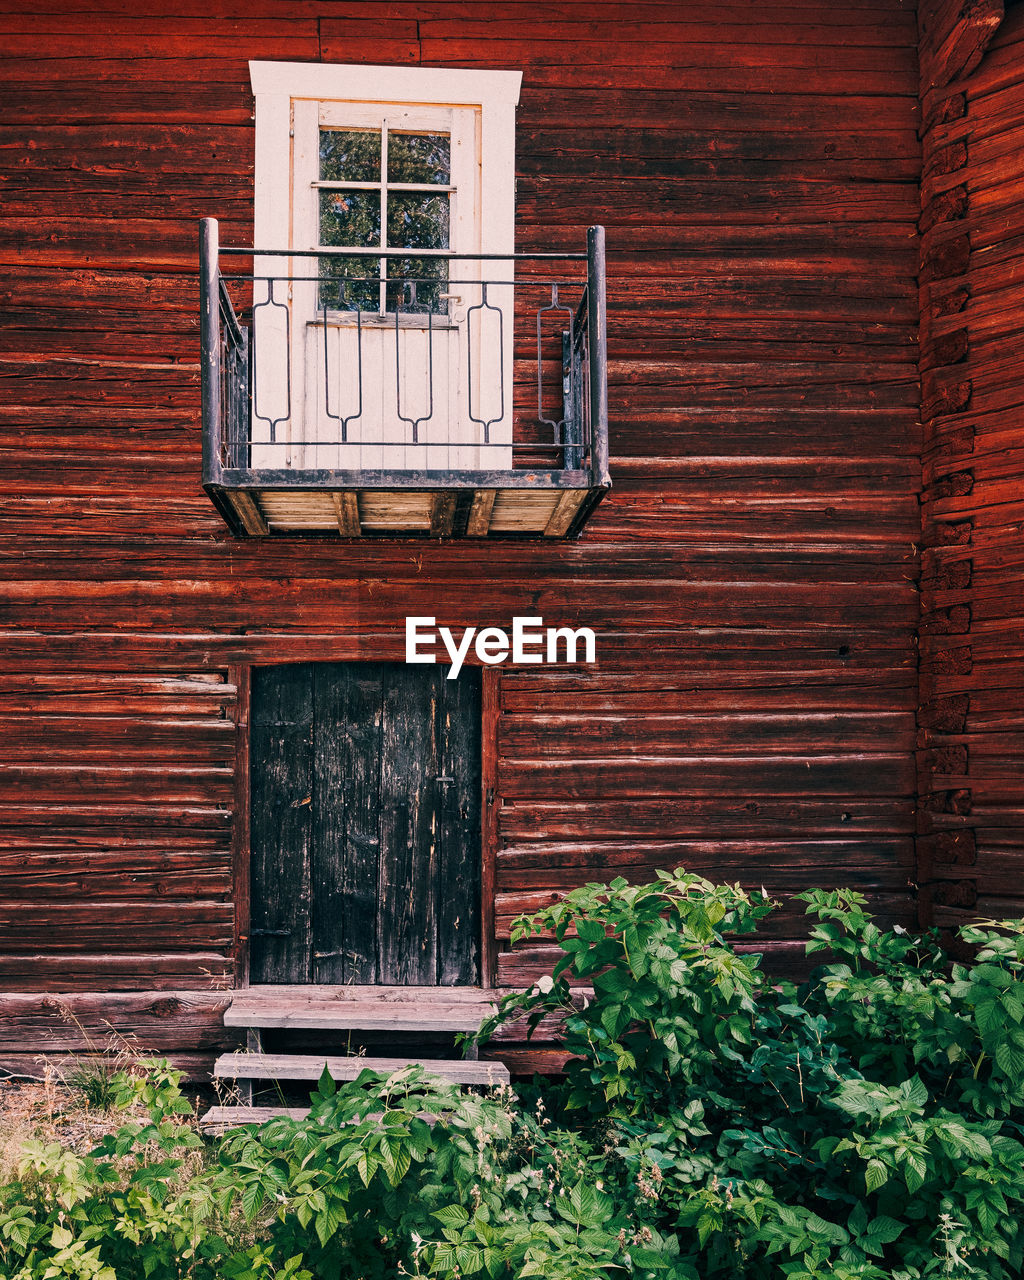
<point x="490" y="710"/>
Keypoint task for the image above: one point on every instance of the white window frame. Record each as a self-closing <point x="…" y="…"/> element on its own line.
<point x="492" y="95"/>
<point x="294" y="99"/>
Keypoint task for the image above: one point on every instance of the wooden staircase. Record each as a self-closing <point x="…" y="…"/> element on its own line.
<point x="376" y="1010"/>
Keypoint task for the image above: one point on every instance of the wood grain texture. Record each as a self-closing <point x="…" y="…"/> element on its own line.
<point x="459" y="865"/>
<point x="268" y="1066"/>
<point x="281" y="824"/>
<point x="751" y="578"/>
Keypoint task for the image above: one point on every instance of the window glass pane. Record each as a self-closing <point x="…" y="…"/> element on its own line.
<point x="417" y="221"/>
<point x="348" y="155"/>
<point x="419" y="157"/>
<point x="349" y="284"/>
<point x="416" y="285"/>
<point x="350" y="219"/>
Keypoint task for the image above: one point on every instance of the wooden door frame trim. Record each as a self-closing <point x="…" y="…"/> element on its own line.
<point x="240" y="835"/>
<point x="490" y="713"/>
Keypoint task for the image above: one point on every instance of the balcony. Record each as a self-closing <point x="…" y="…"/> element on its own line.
<point x="404" y="394"/>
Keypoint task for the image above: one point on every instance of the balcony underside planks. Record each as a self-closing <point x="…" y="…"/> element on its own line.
<point x="490" y="505"/>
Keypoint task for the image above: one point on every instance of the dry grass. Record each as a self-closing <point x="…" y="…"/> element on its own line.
<point x="57" y="1108"/>
<point x="49" y="1111"/>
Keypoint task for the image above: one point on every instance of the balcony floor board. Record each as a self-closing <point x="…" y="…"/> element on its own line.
<point x="260" y="510"/>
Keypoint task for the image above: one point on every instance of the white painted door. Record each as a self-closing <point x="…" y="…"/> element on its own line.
<point x="391" y="363"/>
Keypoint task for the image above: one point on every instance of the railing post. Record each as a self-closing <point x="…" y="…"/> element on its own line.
<point x="597" y="337"/>
<point x="210" y="344"/>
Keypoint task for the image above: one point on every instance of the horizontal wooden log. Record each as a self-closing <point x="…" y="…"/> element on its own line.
<point x="855" y="773"/>
<point x="120" y="924"/>
<point x="35" y="876"/>
<point x="110" y="971"/>
<point x="578" y="737"/>
<point x="623" y="655"/>
<point x="757" y="815"/>
<point x="97" y="741"/>
<point x="162" y="783"/>
<point x="784" y="863"/>
<point x="158" y="1022"/>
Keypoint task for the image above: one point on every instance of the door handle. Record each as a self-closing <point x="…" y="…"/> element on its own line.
<point x="270" y="933"/>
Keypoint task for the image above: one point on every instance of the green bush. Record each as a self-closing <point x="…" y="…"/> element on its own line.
<point x="710" y="1125"/>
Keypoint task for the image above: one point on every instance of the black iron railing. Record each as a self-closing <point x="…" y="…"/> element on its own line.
<point x="302" y="383"/>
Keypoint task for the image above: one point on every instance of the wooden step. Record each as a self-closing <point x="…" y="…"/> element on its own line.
<point x="341" y="1008"/>
<point x="220" y="1119"/>
<point x="292" y="1066"/>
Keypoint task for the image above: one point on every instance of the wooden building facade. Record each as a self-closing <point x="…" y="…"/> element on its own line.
<point x="804" y="582"/>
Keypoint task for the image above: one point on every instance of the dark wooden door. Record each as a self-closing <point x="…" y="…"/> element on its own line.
<point x="365" y="824"/>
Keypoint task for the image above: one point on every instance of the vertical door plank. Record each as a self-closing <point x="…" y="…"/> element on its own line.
<point x="408" y="825"/>
<point x="281" y="822"/>
<point x="347" y="708"/>
<point x="458" y="867"/>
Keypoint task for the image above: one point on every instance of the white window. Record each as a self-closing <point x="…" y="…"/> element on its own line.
<point x="381" y="340"/>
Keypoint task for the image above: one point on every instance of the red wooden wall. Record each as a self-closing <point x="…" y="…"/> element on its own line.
<point x="972" y="663"/>
<point x="752" y="577"/>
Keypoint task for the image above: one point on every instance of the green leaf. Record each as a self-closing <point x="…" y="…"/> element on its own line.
<point x="366" y="1166"/>
<point x="821" y="1229"/>
<point x="253" y="1198"/>
<point x="452" y="1215"/>
<point x="649" y="1259"/>
<point x="610" y="1019"/>
<point x="469" y="1257"/>
<point x="328" y="1222"/>
<point x="634" y="951"/>
<point x="1010" y="1059"/>
<point x="401" y="1162"/>
<point x="875" y="1175"/>
<point x="915" y="1171"/>
<point x="581" y="1206"/>
<point x="884" y="1230"/>
<point x="590" y="930"/>
<point x="988" y="1014"/>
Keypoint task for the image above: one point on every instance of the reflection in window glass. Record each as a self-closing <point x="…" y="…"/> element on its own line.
<point x="416" y="284"/>
<point x="348" y="155"/>
<point x="419" y="157"/>
<point x="349" y="284"/>
<point x="417" y="221"/>
<point x="350" y="219"/>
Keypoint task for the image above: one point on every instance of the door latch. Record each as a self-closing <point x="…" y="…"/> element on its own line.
<point x="443" y="779"/>
<point x="270" y="933"/>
